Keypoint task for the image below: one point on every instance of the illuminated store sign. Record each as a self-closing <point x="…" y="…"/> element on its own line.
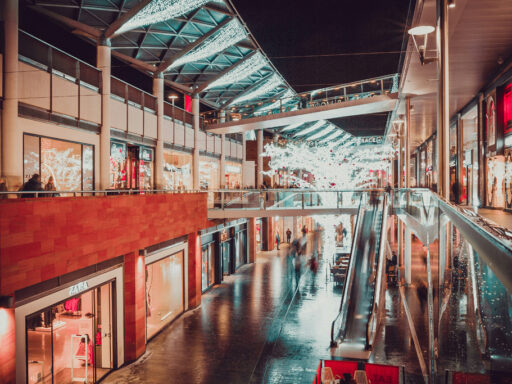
<point x="371" y="140"/>
<point x="77" y="288"/>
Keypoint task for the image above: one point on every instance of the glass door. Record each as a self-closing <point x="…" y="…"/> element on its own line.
<point x="225" y="258"/>
<point x="104" y="357"/>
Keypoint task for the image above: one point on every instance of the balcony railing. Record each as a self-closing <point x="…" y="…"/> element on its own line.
<point x="331" y="95"/>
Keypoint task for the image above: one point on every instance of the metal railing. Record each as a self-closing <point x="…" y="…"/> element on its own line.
<point x="331" y="95"/>
<point x="83" y="193"/>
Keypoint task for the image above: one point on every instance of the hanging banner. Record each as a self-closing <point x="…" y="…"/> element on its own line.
<point x="188" y="103"/>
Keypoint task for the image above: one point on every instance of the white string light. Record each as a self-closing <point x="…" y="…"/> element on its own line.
<point x="265" y="87"/>
<point x="311" y="129"/>
<point x="228" y="35"/>
<point x="330" y="129"/>
<point x="240" y="72"/>
<point x="291" y="127"/>
<point x="332" y="136"/>
<point x="283" y="100"/>
<point x="161" y="10"/>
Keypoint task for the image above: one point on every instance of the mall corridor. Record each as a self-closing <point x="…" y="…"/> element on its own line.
<point x="254" y="327"/>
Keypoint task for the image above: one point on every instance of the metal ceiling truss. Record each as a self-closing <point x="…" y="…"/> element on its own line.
<point x="153" y="48"/>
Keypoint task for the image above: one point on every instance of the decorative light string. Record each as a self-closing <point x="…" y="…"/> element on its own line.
<point x="265" y="87"/>
<point x="241" y="71"/>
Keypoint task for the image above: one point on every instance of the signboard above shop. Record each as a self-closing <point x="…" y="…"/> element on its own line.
<point x="371" y="140"/>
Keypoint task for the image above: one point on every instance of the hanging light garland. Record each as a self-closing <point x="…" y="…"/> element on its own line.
<point x="161" y="10"/>
<point x="230" y="34"/>
<point x="327" y="131"/>
<point x="240" y="72"/>
<point x="311" y="129"/>
<point x="265" y="87"/>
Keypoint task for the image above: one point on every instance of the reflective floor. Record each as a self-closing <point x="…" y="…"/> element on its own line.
<point x="263" y="325"/>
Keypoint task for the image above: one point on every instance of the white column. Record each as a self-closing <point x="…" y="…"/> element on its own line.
<point x="222" y="172"/>
<point x="407" y="140"/>
<point x="443" y="103"/>
<point x="244" y="144"/>
<point x="259" y="168"/>
<point x="158" y="92"/>
<point x="407" y="256"/>
<point x="195" y="159"/>
<point x="12" y="135"/>
<point x="103" y="64"/>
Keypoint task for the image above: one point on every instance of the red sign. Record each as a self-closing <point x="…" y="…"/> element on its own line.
<point x="188" y="103"/>
<point x="341" y="367"/>
<point x="470" y="378"/>
<point x="382" y="374"/>
<point x="507" y="109"/>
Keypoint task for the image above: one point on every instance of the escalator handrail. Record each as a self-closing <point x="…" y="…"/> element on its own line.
<point x="349" y="279"/>
<point x="376" y="300"/>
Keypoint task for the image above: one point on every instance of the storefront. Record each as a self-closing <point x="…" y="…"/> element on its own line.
<point x="74" y="332"/>
<point x="233" y="175"/>
<point x="131" y="166"/>
<point x="165" y="286"/>
<point x="70" y="164"/>
<point x="224" y="249"/>
<point x="209" y="173"/>
<point x="177" y="170"/>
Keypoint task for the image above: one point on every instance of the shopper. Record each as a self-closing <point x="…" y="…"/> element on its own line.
<point x="50" y="186"/>
<point x="304" y="230"/>
<point x="33" y="185"/>
<point x="288" y="235"/>
<point x="278" y="240"/>
<point x="3" y="188"/>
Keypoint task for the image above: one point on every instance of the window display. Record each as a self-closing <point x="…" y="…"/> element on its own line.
<point x="70" y="164"/>
<point x="233" y="175"/>
<point x="508" y="180"/>
<point x="207" y="266"/>
<point x="496" y="182"/>
<point x="209" y="173"/>
<point x="177" y="170"/>
<point x="164" y="292"/>
<point x="118" y="165"/>
<point x="240" y="249"/>
<point x="491" y="122"/>
<point x="72" y="340"/>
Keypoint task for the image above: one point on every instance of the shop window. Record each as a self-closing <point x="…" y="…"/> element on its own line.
<point x="164" y="292"/>
<point x="71" y="165"/>
<point x="177" y="170"/>
<point x="209" y="174"/>
<point x="496" y="182"/>
<point x="233" y="175"/>
<point x="507" y="109"/>
<point x="207" y="266"/>
<point x="118" y="164"/>
<point x="72" y="340"/>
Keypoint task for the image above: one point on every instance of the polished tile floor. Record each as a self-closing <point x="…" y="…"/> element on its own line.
<point x="262" y="325"/>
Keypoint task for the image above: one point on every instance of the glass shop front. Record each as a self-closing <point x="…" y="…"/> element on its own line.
<point x="233" y="175"/>
<point x="177" y="170"/>
<point x="70" y="164"/>
<point x="75" y="338"/>
<point x="165" y="288"/>
<point x="131" y="166"/>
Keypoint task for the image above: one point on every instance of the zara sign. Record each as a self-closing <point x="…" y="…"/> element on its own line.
<point x="77" y="288"/>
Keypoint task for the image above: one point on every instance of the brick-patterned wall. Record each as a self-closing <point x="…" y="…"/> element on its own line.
<point x="134" y="302"/>
<point x="44" y="238"/>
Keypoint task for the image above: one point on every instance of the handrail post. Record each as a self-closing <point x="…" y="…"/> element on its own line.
<point x="302" y="195"/>
<point x="222" y="200"/>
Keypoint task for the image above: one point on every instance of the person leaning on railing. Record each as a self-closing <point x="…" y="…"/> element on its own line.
<point x="33" y="185"/>
<point x="3" y="188"/>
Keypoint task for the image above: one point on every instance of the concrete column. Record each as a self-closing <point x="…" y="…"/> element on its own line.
<point x="12" y="135"/>
<point x="251" y="233"/>
<point x="103" y="64"/>
<point x="244" y="144"/>
<point x="460" y="154"/>
<point x="134" y="304"/>
<point x="401" y="157"/>
<point x="407" y="140"/>
<point x="222" y="173"/>
<point x="407" y="256"/>
<point x="194" y="270"/>
<point x="195" y="160"/>
<point x="259" y="167"/>
<point x="158" y="92"/>
<point x="443" y="103"/>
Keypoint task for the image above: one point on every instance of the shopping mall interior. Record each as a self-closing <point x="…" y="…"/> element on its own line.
<point x="221" y="191"/>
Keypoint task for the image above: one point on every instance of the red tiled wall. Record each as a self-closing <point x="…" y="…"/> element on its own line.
<point x="194" y="270"/>
<point x="7" y="349"/>
<point x="47" y="237"/>
<point x="134" y="302"/>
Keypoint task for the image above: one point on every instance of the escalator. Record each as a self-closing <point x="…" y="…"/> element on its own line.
<point x="354" y="328"/>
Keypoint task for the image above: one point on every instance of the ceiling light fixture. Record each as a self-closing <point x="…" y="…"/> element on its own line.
<point x="418" y="32"/>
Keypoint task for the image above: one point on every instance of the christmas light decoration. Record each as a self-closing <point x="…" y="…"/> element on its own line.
<point x="161" y="10"/>
<point x="332" y="136"/>
<point x="230" y="34"/>
<point x="291" y="127"/>
<point x="335" y="164"/>
<point x="322" y="133"/>
<point x="265" y="87"/>
<point x="240" y="72"/>
<point x="285" y="99"/>
<point x="311" y="129"/>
